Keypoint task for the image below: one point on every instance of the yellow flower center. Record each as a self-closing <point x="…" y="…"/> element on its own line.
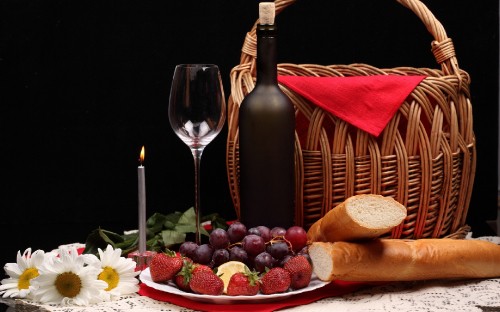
<point x="68" y="284"/>
<point x="24" y="279"/>
<point x="110" y="276"/>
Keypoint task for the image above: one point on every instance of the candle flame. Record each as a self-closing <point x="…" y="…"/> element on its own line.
<point x="141" y="156"/>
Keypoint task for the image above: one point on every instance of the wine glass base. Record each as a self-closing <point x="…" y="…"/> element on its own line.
<point x="142" y="259"/>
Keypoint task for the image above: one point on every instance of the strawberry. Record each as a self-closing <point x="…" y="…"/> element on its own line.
<point x="182" y="278"/>
<point x="201" y="268"/>
<point x="182" y="282"/>
<point x="243" y="284"/>
<point x="207" y="283"/>
<point x="300" y="271"/>
<point x="164" y="266"/>
<point x="275" y="280"/>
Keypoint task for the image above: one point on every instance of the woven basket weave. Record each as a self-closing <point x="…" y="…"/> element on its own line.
<point x="425" y="158"/>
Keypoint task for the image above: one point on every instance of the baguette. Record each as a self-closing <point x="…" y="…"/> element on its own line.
<point x="364" y="216"/>
<point x="405" y="260"/>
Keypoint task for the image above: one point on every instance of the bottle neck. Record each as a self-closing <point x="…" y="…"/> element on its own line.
<point x="267" y="71"/>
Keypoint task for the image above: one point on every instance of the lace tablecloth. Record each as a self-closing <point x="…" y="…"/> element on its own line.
<point x="438" y="295"/>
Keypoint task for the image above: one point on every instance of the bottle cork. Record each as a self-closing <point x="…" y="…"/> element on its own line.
<point x="266" y="13"/>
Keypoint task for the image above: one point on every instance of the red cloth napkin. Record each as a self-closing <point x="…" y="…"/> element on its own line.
<point x="336" y="288"/>
<point x="367" y="102"/>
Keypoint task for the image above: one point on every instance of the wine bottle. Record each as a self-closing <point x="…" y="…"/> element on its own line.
<point x="266" y="138"/>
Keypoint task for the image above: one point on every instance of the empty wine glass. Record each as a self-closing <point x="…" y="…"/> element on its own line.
<point x="197" y="111"/>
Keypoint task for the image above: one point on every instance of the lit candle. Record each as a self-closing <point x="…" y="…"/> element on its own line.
<point x="142" y="203"/>
<point x="141" y="256"/>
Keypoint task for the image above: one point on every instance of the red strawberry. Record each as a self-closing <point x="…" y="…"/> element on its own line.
<point x="201" y="268"/>
<point x="182" y="282"/>
<point x="243" y="284"/>
<point x="300" y="271"/>
<point x="207" y="283"/>
<point x="164" y="266"/>
<point x="182" y="278"/>
<point x="276" y="280"/>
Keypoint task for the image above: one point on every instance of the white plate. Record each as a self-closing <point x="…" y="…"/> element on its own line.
<point x="169" y="287"/>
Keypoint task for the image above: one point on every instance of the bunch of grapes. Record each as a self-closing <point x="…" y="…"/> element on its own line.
<point x="258" y="247"/>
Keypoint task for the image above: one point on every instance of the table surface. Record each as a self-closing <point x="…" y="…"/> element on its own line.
<point x="444" y="295"/>
<point x="435" y="295"/>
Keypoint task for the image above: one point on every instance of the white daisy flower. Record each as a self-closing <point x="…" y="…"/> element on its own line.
<point x="118" y="272"/>
<point x="69" y="279"/>
<point x="21" y="273"/>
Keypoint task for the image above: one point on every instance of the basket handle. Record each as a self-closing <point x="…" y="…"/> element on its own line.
<point x="442" y="46"/>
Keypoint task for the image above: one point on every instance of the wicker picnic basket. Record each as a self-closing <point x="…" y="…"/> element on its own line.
<point x="425" y="158"/>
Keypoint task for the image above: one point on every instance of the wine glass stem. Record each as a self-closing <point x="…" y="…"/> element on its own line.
<point x="197" y="202"/>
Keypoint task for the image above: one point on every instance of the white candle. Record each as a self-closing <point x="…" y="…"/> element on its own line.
<point x="142" y="203"/>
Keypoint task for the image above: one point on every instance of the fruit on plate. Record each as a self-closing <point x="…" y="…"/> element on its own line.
<point x="187" y="249"/>
<point x="236" y="232"/>
<point x="164" y="266"/>
<point x="276" y="280"/>
<point x="258" y="247"/>
<point x="300" y="271"/>
<point x="201" y="267"/>
<point x="238" y="261"/>
<point x="262" y="261"/>
<point x="206" y="283"/>
<point x="253" y="244"/>
<point x="297" y="236"/>
<point x="183" y="278"/>
<point x="219" y="239"/>
<point x="228" y="269"/>
<point x="203" y="254"/>
<point x="243" y="283"/>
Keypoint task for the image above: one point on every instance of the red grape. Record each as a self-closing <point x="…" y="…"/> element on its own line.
<point x="277" y="231"/>
<point x="265" y="233"/>
<point x="219" y="257"/>
<point x="262" y="261"/>
<point x="254" y="231"/>
<point x="203" y="254"/>
<point x="278" y="249"/>
<point x="253" y="244"/>
<point x="219" y="239"/>
<point x="236" y="232"/>
<point x="237" y="253"/>
<point x="297" y="236"/>
<point x="187" y="249"/>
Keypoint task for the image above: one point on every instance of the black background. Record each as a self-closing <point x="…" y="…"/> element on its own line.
<point x="84" y="84"/>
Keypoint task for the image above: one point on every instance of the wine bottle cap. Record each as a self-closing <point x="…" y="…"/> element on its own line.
<point x="266" y="13"/>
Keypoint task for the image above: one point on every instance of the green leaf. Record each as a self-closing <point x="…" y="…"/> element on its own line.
<point x="155" y="222"/>
<point x="172" y="237"/>
<point x="156" y="243"/>
<point x="171" y="220"/>
<point x="162" y="230"/>
<point x="185" y="228"/>
<point x="129" y="243"/>
<point x="100" y="238"/>
<point x="216" y="221"/>
<point x="187" y="223"/>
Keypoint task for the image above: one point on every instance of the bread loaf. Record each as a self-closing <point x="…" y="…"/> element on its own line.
<point x="358" y="217"/>
<point x="405" y="260"/>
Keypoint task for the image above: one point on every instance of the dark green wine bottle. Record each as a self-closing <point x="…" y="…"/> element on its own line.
<point x="266" y="143"/>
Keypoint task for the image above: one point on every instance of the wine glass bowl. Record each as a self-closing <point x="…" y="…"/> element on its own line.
<point x="197" y="104"/>
<point x="197" y="112"/>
